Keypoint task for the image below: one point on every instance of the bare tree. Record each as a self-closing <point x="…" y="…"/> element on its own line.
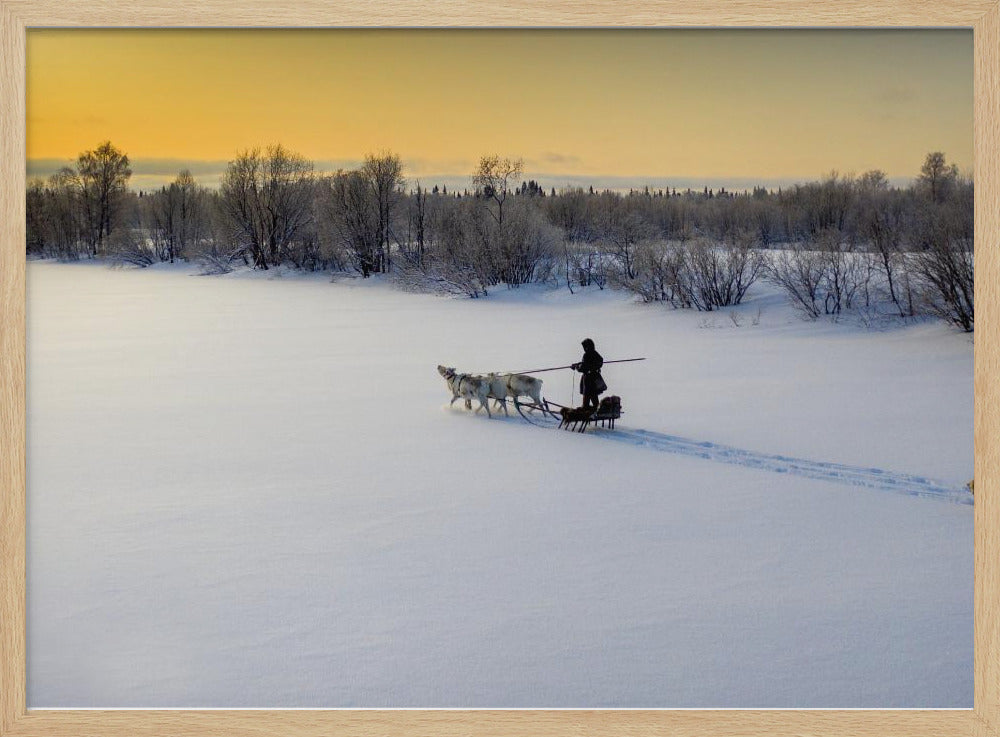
<point x="528" y="246"/>
<point x="191" y="213"/>
<point x="937" y="177"/>
<point x="176" y="216"/>
<point x="417" y="215"/>
<point x="568" y="211"/>
<point x="824" y="277"/>
<point x="102" y="177"/>
<point x="493" y="178"/>
<point x="844" y="271"/>
<point x="162" y="209"/>
<point x="946" y="265"/>
<point x="355" y="223"/>
<point x="384" y="174"/>
<point x="800" y="272"/>
<point x="36" y="230"/>
<point x="658" y="273"/>
<point x="268" y="197"/>
<point x="129" y="244"/>
<point x="458" y="262"/>
<point x="621" y="229"/>
<point x="882" y="223"/>
<point x="717" y="275"/>
<point x="511" y="246"/>
<point x="61" y="214"/>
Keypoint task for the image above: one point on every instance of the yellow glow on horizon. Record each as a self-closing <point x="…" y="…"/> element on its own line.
<point x="665" y="103"/>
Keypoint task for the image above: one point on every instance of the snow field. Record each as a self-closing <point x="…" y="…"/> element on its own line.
<point x="250" y="491"/>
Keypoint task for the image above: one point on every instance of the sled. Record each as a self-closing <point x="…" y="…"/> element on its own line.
<point x="574" y="419"/>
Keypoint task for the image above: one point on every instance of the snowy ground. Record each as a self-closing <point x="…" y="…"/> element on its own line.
<point x="250" y="491"/>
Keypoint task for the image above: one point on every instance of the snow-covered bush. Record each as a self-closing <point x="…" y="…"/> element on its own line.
<point x="945" y="266"/>
<point x="800" y="272"/>
<point x="718" y="275"/>
<point x="695" y="274"/>
<point x="823" y="277"/>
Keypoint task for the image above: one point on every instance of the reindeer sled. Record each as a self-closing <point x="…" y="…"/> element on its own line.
<point x="575" y="419"/>
<point x="512" y="386"/>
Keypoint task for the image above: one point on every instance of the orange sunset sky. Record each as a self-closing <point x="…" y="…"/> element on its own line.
<point x="603" y="106"/>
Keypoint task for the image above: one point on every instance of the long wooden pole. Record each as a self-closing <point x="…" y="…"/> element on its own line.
<point x="559" y="368"/>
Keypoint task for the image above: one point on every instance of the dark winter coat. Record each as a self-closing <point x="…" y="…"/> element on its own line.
<point x="591" y="382"/>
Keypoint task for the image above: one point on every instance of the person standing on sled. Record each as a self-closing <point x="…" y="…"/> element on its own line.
<point x="591" y="383"/>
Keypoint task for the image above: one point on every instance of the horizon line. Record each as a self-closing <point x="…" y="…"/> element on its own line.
<point x="156" y="172"/>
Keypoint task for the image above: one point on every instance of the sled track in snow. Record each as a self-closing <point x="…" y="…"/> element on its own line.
<point x="839" y="473"/>
<point x="872" y="478"/>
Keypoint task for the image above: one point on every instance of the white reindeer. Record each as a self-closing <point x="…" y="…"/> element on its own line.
<point x="468" y="387"/>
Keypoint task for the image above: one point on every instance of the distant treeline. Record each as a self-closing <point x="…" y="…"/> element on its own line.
<point x="842" y="244"/>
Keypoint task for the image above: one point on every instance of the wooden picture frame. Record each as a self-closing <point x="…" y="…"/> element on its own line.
<point x="983" y="16"/>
